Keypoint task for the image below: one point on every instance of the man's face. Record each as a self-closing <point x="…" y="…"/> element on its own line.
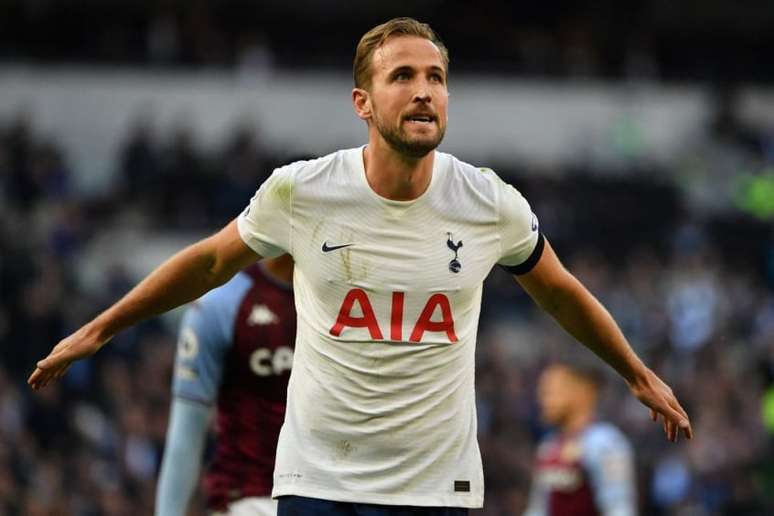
<point x="408" y="95"/>
<point x="555" y="394"/>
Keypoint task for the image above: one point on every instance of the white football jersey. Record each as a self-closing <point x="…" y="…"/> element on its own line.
<point x="381" y="405"/>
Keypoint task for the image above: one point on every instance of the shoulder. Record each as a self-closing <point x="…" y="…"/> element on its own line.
<point x="605" y="437"/>
<point x="305" y="170"/>
<point x="484" y="181"/>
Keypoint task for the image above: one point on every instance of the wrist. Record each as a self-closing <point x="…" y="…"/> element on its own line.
<point x="639" y="375"/>
<point x="97" y="331"/>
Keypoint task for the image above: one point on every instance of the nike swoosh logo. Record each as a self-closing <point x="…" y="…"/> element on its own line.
<point x="328" y="248"/>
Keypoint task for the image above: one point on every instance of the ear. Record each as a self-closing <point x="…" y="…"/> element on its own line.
<point x="361" y="101"/>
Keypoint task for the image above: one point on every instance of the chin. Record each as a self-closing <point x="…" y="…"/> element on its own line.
<point x="418" y="149"/>
<point x="427" y="141"/>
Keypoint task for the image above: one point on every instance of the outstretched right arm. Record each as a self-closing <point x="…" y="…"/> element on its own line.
<point x="190" y="273"/>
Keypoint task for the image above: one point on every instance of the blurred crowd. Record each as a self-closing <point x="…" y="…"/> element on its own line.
<point x="641" y="39"/>
<point x="693" y="293"/>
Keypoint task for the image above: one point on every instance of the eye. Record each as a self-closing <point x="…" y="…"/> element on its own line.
<point x="436" y="77"/>
<point x="402" y="76"/>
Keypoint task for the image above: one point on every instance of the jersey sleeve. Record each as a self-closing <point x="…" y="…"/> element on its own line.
<point x="201" y="348"/>
<point x="182" y="460"/>
<point x="609" y="461"/>
<point x="265" y="224"/>
<point x="521" y="243"/>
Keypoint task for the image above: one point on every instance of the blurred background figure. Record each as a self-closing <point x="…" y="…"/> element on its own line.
<point x="622" y="122"/>
<point x="585" y="466"/>
<point x="234" y="355"/>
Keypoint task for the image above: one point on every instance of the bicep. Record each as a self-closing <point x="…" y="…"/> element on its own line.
<point x="231" y="253"/>
<point x="546" y="279"/>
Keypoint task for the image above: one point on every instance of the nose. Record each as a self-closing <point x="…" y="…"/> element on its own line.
<point x="423" y="93"/>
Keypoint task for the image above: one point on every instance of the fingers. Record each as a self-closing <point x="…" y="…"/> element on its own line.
<point x="54" y="360"/>
<point x="39" y="379"/>
<point x="53" y="367"/>
<point x="674" y="422"/>
<point x="661" y="400"/>
<point x="34" y="378"/>
<point x="687" y="431"/>
<point x="683" y="423"/>
<point x="62" y="371"/>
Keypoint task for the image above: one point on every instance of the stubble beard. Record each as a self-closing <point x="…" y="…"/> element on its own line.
<point x="397" y="139"/>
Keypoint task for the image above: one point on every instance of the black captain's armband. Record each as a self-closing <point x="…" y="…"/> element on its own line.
<point x="528" y="264"/>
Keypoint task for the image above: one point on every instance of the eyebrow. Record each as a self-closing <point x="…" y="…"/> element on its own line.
<point x="409" y="68"/>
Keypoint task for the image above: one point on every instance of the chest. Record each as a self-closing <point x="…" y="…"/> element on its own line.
<point x="384" y="249"/>
<point x="559" y="465"/>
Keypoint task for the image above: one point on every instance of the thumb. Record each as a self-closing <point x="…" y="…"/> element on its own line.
<point x="53" y="360"/>
<point x="46" y="363"/>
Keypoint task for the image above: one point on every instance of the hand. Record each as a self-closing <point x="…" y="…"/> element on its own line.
<point x="658" y="396"/>
<point x="82" y="343"/>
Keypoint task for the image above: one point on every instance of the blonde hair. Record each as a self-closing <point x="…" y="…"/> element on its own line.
<point x="375" y="38"/>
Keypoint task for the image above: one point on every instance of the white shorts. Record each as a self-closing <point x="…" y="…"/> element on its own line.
<point x="251" y="507"/>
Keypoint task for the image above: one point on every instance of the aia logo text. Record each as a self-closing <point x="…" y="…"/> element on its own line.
<point x="424" y="322"/>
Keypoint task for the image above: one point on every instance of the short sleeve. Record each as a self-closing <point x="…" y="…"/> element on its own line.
<point x="265" y="224"/>
<point x="521" y="243"/>
<point x="201" y="349"/>
<point x="609" y="461"/>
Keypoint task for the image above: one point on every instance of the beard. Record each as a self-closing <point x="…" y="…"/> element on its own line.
<point x="403" y="144"/>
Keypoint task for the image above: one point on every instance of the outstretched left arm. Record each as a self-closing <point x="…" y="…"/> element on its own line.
<point x="564" y="297"/>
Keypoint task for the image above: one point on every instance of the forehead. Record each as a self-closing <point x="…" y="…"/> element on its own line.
<point x="411" y="51"/>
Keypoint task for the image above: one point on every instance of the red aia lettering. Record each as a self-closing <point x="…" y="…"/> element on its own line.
<point x="396" y="319"/>
<point x="425" y="324"/>
<point x="367" y="321"/>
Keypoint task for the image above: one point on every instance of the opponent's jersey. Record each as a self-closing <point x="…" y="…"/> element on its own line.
<point x="236" y="350"/>
<point x="587" y="474"/>
<point x="381" y="405"/>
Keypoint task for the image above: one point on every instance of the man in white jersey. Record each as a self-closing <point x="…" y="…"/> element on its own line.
<point x="391" y="242"/>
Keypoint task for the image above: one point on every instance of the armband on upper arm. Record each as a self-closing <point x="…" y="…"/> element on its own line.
<point x="528" y="264"/>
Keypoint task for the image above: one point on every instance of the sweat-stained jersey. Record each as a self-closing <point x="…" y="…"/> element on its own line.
<point x="236" y="351"/>
<point x="381" y="406"/>
<point x="587" y="474"/>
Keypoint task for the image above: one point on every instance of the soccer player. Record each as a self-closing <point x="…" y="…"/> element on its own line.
<point x="585" y="468"/>
<point x="235" y="352"/>
<point x="391" y="243"/>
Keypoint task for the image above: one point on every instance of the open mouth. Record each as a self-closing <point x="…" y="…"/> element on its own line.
<point x="420" y="119"/>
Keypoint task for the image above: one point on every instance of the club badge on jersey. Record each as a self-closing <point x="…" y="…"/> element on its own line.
<point x="454" y="265"/>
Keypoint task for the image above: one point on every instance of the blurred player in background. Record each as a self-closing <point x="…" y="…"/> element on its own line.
<point x="391" y="243"/>
<point x="234" y="354"/>
<point x="585" y="467"/>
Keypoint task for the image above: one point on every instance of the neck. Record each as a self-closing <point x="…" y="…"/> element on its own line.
<point x="577" y="421"/>
<point x="395" y="176"/>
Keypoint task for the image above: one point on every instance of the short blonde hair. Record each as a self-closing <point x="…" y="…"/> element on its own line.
<point x="375" y="38"/>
